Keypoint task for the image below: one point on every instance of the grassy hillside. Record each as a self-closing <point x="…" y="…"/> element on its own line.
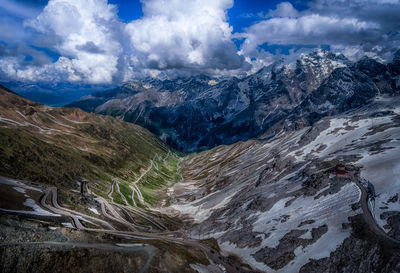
<point x="57" y="146"/>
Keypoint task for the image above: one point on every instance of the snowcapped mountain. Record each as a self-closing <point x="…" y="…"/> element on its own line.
<point x="324" y="198"/>
<point x="190" y="113"/>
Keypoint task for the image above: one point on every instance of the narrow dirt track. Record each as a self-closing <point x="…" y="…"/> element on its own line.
<point x="56" y="208"/>
<point x="211" y="254"/>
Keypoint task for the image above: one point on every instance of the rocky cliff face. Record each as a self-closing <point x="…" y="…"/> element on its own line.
<point x="195" y="112"/>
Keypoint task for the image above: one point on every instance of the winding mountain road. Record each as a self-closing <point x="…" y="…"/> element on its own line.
<point x="56" y="208"/>
<point x="211" y="254"/>
<point x="136" y="210"/>
<point x="116" y="183"/>
<point x="115" y="216"/>
<point x="369" y="219"/>
<point x="109" y="195"/>
<point x="135" y="188"/>
<point x="49" y="201"/>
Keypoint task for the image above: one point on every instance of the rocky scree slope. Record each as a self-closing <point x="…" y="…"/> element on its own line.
<point x="298" y="201"/>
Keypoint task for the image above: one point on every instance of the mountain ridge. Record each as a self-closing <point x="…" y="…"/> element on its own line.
<point x="74" y="143"/>
<point x="234" y="109"/>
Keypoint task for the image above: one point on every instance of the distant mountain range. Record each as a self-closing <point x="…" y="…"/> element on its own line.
<point x="53" y="94"/>
<point x="200" y="111"/>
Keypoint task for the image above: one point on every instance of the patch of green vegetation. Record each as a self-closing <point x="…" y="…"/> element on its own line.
<point x="162" y="175"/>
<point x="24" y="157"/>
<point x="123" y="153"/>
<point x="126" y="191"/>
<point x="117" y="198"/>
<point x="66" y="144"/>
<point x="148" y="196"/>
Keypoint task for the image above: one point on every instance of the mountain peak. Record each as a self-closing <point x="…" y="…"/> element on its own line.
<point x="272" y="67"/>
<point x="226" y="111"/>
<point x="317" y="55"/>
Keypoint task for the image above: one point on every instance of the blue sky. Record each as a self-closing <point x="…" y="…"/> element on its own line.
<point x="112" y="41"/>
<point x="243" y="13"/>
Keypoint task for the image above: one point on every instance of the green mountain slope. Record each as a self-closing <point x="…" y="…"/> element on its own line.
<point x="58" y="146"/>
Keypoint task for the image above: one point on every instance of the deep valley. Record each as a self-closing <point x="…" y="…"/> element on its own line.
<point x="295" y="168"/>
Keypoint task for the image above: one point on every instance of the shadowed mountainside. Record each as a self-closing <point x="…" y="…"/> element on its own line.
<point x="201" y="112"/>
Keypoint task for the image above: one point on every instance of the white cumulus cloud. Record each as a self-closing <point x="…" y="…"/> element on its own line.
<point x="90" y="44"/>
<point x="95" y="46"/>
<point x="84" y="32"/>
<point x="87" y="37"/>
<point x="188" y="34"/>
<point x="284" y="9"/>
